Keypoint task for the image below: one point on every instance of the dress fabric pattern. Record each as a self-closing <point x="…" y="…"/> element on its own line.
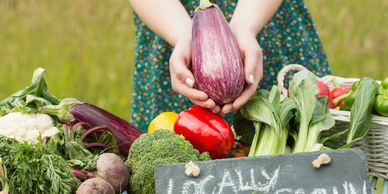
<point x="289" y="37"/>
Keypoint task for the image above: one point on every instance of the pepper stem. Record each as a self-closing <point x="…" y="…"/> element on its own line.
<point x="335" y="83"/>
<point x="335" y="101"/>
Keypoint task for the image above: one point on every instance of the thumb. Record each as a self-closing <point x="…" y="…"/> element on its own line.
<point x="188" y="79"/>
<point x="250" y="66"/>
<point x="181" y="71"/>
<point x="252" y="61"/>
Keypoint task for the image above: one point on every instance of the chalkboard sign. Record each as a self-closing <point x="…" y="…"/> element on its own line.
<point x="291" y="173"/>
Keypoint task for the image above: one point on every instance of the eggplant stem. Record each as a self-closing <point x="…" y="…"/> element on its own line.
<point x="92" y="130"/>
<point x="204" y="4"/>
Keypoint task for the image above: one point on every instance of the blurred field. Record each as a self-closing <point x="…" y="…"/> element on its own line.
<point x="87" y="46"/>
<point x="355" y="35"/>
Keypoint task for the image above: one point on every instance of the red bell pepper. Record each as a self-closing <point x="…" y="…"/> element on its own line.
<point x="325" y="91"/>
<point x="206" y="131"/>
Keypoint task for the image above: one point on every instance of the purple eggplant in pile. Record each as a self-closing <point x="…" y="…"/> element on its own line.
<point x="73" y="113"/>
<point x="216" y="59"/>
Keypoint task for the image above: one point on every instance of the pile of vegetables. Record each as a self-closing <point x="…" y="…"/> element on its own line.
<point x="50" y="145"/>
<point x="68" y="146"/>
<point x="60" y="146"/>
<point x="298" y="122"/>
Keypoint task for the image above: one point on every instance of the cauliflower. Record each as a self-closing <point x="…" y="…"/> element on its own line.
<point x="161" y="147"/>
<point x="27" y="127"/>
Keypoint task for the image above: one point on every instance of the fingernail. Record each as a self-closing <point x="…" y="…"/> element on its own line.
<point x="189" y="82"/>
<point x="251" y="79"/>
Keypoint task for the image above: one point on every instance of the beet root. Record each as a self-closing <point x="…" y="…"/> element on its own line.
<point x="112" y="169"/>
<point x="95" y="186"/>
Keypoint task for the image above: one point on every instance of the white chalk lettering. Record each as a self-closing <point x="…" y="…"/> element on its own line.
<point x="352" y="189"/>
<point x="199" y="188"/>
<point x="261" y="181"/>
<point x="263" y="187"/>
<point x="271" y="181"/>
<point x="284" y="191"/>
<point x="299" y="191"/>
<point x="253" y="182"/>
<point x="227" y="181"/>
<point x="345" y="185"/>
<point x="364" y="188"/>
<point x="170" y="186"/>
<point x="349" y="188"/>
<point x="242" y="186"/>
<point x="319" y="191"/>
<point x="335" y="190"/>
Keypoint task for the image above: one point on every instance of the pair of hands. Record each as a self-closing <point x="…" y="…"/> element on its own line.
<point x="183" y="82"/>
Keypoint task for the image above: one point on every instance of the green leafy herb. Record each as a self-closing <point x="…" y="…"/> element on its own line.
<point x="31" y="170"/>
<point x="4" y="186"/>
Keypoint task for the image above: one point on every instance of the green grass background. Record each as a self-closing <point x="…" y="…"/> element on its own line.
<point x="87" y="46"/>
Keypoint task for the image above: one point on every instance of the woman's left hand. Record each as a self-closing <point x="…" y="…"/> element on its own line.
<point x="253" y="67"/>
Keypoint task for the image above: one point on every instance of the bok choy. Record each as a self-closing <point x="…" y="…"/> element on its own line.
<point x="270" y="117"/>
<point x="286" y="124"/>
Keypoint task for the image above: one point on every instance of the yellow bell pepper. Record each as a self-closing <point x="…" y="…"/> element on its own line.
<point x="165" y="120"/>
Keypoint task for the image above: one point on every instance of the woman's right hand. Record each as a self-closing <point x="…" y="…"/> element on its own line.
<point x="182" y="80"/>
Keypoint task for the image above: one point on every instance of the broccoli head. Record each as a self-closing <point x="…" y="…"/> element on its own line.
<point x="160" y="147"/>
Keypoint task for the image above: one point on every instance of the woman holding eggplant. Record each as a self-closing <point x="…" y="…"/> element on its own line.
<point x="269" y="33"/>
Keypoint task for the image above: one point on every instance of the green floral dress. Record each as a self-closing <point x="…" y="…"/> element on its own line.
<point x="289" y="37"/>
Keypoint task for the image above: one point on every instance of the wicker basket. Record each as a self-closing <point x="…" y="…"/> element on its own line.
<point x="375" y="143"/>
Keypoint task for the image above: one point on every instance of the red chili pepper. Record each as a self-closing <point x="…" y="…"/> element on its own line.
<point x="206" y="131"/>
<point x="337" y="92"/>
<point x="325" y="91"/>
<point x="239" y="155"/>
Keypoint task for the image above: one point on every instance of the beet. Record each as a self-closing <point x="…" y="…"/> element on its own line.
<point x="216" y="59"/>
<point x="95" y="186"/>
<point x="112" y="169"/>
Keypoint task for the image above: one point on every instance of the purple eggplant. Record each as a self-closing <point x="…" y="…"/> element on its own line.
<point x="216" y="59"/>
<point x="74" y="113"/>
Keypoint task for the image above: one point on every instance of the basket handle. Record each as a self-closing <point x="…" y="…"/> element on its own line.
<point x="282" y="75"/>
